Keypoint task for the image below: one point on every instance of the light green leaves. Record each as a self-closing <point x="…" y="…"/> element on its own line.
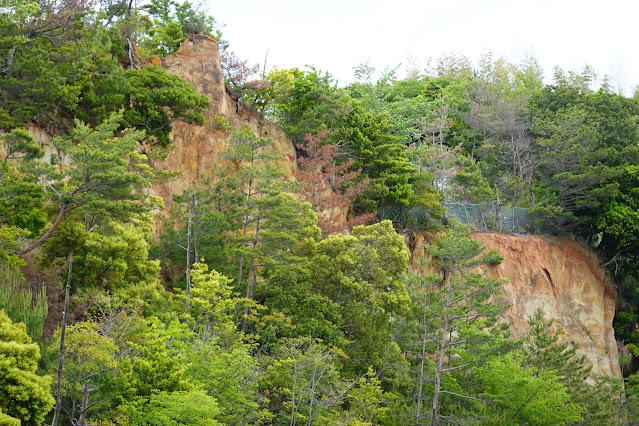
<point x="26" y="396"/>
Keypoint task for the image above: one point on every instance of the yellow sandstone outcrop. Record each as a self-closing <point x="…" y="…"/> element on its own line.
<point x="562" y="278"/>
<point x="196" y="150"/>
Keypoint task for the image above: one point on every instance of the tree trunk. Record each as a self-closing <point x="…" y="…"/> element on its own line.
<point x="250" y="290"/>
<point x="72" y="413"/>
<point x="252" y="276"/>
<point x="421" y="367"/>
<point x="65" y="319"/>
<point x="196" y="254"/>
<point x="442" y="354"/>
<point x="246" y="222"/>
<point x="46" y="235"/>
<point x="241" y="266"/>
<point x="188" y="261"/>
<point x="85" y="403"/>
<point x="294" y="393"/>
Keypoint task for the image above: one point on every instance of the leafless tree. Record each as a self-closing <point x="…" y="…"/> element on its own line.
<point x="504" y="118"/>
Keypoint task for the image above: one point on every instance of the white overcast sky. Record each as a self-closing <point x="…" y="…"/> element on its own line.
<point x="337" y="35"/>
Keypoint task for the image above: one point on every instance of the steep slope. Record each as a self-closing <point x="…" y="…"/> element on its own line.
<point x="196" y="151"/>
<point x="565" y="280"/>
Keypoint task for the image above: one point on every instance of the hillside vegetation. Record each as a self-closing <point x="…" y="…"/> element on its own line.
<point x="252" y="305"/>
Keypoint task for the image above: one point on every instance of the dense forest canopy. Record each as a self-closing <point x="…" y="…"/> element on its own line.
<point x="251" y="305"/>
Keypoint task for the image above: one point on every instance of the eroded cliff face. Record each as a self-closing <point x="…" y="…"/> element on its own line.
<point x="562" y="278"/>
<point x="197" y="150"/>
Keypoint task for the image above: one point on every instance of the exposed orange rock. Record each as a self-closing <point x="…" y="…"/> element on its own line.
<point x="563" y="278"/>
<point x="196" y="149"/>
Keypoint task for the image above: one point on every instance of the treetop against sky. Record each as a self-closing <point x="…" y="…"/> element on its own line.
<point x="335" y="36"/>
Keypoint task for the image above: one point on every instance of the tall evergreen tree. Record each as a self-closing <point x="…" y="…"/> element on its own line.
<point x="366" y="139"/>
<point x="459" y="319"/>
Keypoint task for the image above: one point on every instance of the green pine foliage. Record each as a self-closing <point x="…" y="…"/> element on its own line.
<point x="20" y="304"/>
<point x="171" y="24"/>
<point x="380" y="156"/>
<point x="21" y="197"/>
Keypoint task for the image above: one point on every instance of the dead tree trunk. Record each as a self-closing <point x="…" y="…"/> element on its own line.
<point x="442" y="352"/>
<point x="252" y="277"/>
<point x="85" y="403"/>
<point x="188" y="261"/>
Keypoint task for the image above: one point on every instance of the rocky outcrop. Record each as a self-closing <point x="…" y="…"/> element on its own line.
<point x="562" y="278"/>
<point x="196" y="152"/>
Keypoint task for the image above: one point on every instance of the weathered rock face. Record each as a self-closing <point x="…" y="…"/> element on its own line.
<point x="566" y="281"/>
<point x="196" y="152"/>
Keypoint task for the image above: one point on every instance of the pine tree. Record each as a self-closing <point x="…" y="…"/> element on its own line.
<point x="459" y="317"/>
<point x="21" y="198"/>
<point x="256" y="182"/>
<point x="102" y="184"/>
<point x="366" y="138"/>
<point x="599" y="402"/>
